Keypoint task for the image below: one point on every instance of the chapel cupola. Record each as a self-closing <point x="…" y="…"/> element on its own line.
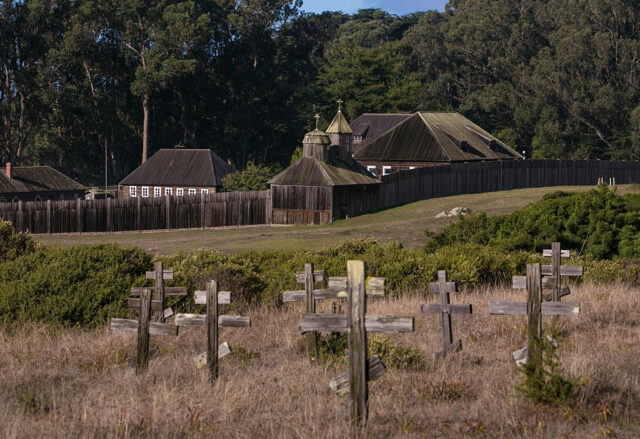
<point x="316" y="143"/>
<point x="341" y="134"/>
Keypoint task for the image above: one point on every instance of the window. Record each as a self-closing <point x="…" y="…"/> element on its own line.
<point x="204" y="191"/>
<point x="62" y="196"/>
<point x="411" y="167"/>
<point x="357" y="139"/>
<point x="132" y="191"/>
<point x="157" y="191"/>
<point x="179" y="192"/>
<point x="386" y="170"/>
<point x="192" y="191"/>
<point x="372" y="169"/>
<point x="168" y="191"/>
<point x="144" y="192"/>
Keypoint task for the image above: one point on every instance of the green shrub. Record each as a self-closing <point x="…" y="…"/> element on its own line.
<point x="12" y="244"/>
<point x="80" y="285"/>
<point x="252" y="178"/>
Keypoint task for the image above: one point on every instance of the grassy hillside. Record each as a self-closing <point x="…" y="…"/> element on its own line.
<point x="405" y="224"/>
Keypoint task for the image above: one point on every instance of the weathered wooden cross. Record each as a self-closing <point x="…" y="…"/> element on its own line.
<point x="356" y="324"/>
<point x="445" y="309"/>
<point x="159" y="292"/>
<point x="143" y="327"/>
<point x="212" y="321"/>
<point x="535" y="308"/>
<point x="337" y="287"/>
<point x="557" y="271"/>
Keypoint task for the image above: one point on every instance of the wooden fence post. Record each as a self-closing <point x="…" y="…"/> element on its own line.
<point x="555" y="266"/>
<point x="78" y="215"/>
<point x="212" y="329"/>
<point x="109" y="216"/>
<point x="312" y="336"/>
<point x="159" y="284"/>
<point x="20" y="217"/>
<point x="202" y="216"/>
<point x="357" y="342"/>
<point x="534" y="303"/>
<point x="143" y="331"/>
<point x="139" y="213"/>
<point x="49" y="216"/>
<point x="168" y="212"/>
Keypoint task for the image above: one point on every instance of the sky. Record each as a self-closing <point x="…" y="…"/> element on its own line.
<point x="398" y="7"/>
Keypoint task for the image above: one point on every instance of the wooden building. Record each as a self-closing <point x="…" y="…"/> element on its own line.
<point x="429" y="139"/>
<point x="176" y="172"/>
<point x="370" y="126"/>
<point x="37" y="183"/>
<point x="326" y="183"/>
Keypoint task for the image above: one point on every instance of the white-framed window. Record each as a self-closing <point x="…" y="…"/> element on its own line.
<point x="357" y="139"/>
<point x="157" y="191"/>
<point x="372" y="169"/>
<point x="168" y="191"/>
<point x="132" y="191"/>
<point x="411" y="167"/>
<point x="204" y="191"/>
<point x="179" y="192"/>
<point x="192" y="191"/>
<point x="386" y="170"/>
<point x="144" y="192"/>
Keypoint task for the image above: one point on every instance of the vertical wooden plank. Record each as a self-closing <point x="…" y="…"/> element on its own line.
<point x="534" y="328"/>
<point x="168" y="212"/>
<point x="78" y="215"/>
<point x="357" y="342"/>
<point x="446" y="316"/>
<point x="212" y="329"/>
<point x="49" y="217"/>
<point x="109" y="218"/>
<point x="139" y="213"/>
<point x="143" y="330"/>
<point x="555" y="267"/>
<point x="20" y="217"/>
<point x="202" y="210"/>
<point x="312" y="336"/>
<point x="160" y="290"/>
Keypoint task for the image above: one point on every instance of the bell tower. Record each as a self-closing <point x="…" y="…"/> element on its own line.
<point x="341" y="134"/>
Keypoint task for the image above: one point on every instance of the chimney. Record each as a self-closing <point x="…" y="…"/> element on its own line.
<point x="8" y="170"/>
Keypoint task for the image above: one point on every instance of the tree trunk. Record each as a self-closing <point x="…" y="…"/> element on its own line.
<point x="145" y="126"/>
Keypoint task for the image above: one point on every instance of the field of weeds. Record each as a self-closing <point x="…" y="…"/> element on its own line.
<point x="81" y="383"/>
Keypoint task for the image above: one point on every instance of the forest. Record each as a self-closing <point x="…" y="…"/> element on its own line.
<point x="80" y="78"/>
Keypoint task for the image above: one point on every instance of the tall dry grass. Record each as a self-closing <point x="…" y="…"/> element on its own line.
<point x="78" y="383"/>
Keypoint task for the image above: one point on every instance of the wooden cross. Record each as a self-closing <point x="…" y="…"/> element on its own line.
<point x="556" y="270"/>
<point x="340" y="102"/>
<point x="212" y="321"/>
<point x="144" y="328"/>
<point x="160" y="292"/>
<point x="337" y="288"/>
<point x="535" y="309"/>
<point x="445" y="309"/>
<point x="317" y="117"/>
<point x="356" y="324"/>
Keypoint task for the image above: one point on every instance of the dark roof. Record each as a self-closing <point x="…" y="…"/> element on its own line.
<point x="436" y="137"/>
<point x="372" y="125"/>
<point x="36" y="179"/>
<point x="180" y="167"/>
<point x="309" y="171"/>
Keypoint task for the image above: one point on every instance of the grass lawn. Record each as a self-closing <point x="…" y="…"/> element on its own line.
<point x="405" y="224"/>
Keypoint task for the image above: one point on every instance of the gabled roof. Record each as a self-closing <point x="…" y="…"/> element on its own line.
<point x="372" y="125"/>
<point x="309" y="171"/>
<point x="339" y="125"/>
<point x="180" y="167"/>
<point x="37" y="179"/>
<point x="436" y="137"/>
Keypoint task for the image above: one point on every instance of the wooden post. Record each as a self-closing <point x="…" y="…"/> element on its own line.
<point x="139" y="213"/>
<point x="357" y="342"/>
<point x="212" y="329"/>
<point x="20" y="217"/>
<point x="78" y="215"/>
<point x="168" y="212"/>
<point x="447" y="335"/>
<point x="49" y="216"/>
<point x="109" y="216"/>
<point x="202" y="216"/>
<point x="159" y="281"/>
<point x="312" y="336"/>
<point x="534" y="327"/>
<point x="555" y="267"/>
<point x="143" y="330"/>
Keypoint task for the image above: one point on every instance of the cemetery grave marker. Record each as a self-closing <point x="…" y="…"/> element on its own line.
<point x="445" y="309"/>
<point x="337" y="287"/>
<point x="212" y="321"/>
<point x="160" y="292"/>
<point x="557" y="271"/>
<point x="357" y="324"/>
<point x="144" y="328"/>
<point x="534" y="308"/>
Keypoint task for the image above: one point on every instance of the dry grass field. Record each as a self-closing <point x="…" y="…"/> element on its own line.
<point x="81" y="383"/>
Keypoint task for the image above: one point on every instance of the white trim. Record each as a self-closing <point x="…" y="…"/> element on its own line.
<point x="133" y="191"/>
<point x="179" y="192"/>
<point x="168" y="191"/>
<point x="386" y="170"/>
<point x="144" y="191"/>
<point x="192" y="191"/>
<point x="372" y="169"/>
<point x="204" y="191"/>
<point x="411" y="167"/>
<point x="157" y="191"/>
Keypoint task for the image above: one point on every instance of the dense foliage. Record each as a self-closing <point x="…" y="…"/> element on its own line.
<point x="557" y="78"/>
<point x="252" y="178"/>
<point x="598" y="223"/>
<point x="12" y="244"/>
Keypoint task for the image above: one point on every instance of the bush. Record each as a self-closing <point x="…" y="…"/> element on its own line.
<point x="252" y="178"/>
<point x="80" y="285"/>
<point x="12" y="244"/>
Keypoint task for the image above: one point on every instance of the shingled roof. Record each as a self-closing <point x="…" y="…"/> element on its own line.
<point x="180" y="167"/>
<point x="436" y="137"/>
<point x="372" y="125"/>
<point x="36" y="179"/>
<point x="309" y="171"/>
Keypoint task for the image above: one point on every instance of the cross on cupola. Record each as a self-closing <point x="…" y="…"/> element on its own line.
<point x="317" y="117"/>
<point x="340" y="102"/>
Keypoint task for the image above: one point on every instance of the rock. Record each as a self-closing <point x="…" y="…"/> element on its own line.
<point x="442" y="214"/>
<point x="458" y="211"/>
